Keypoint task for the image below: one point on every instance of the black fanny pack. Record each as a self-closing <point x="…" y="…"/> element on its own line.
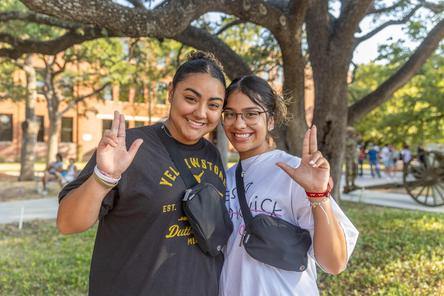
<point x="202" y="203"/>
<point x="272" y="240"/>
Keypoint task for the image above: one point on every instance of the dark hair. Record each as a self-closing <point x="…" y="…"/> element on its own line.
<point x="200" y="62"/>
<point x="260" y="93"/>
<point x="59" y="156"/>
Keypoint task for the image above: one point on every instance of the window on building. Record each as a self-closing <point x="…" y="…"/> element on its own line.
<point x="107" y="123"/>
<point x="139" y="96"/>
<point x="161" y="93"/>
<point x="124" y="92"/>
<point x="67" y="130"/>
<point x="41" y="132"/>
<point x="5" y="127"/>
<point x="107" y="93"/>
<point x="139" y="123"/>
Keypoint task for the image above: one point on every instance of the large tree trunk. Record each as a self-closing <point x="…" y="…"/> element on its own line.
<point x="222" y="144"/>
<point x="330" y="117"/>
<point x="293" y="91"/>
<point x="30" y="126"/>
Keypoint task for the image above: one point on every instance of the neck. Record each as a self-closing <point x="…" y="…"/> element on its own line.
<point x="249" y="154"/>
<point x="175" y="134"/>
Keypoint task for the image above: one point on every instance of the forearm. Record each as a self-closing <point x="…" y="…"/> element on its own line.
<point x="80" y="208"/>
<point x="329" y="239"/>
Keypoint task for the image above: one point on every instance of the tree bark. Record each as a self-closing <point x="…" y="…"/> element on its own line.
<point x="331" y="49"/>
<point x="222" y="144"/>
<point x="54" y="135"/>
<point x="291" y="136"/>
<point x="30" y="126"/>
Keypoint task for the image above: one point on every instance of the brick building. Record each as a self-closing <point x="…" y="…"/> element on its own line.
<point x="82" y="126"/>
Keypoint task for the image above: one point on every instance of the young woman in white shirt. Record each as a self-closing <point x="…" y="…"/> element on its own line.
<point x="276" y="184"/>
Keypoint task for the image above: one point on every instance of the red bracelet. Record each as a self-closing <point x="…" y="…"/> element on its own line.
<point x="322" y="194"/>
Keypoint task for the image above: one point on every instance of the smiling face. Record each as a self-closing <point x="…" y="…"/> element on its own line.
<point x="248" y="139"/>
<point x="196" y="106"/>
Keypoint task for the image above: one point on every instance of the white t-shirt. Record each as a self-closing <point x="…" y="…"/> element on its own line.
<point x="406" y="155"/>
<point x="385" y="154"/>
<point x="271" y="191"/>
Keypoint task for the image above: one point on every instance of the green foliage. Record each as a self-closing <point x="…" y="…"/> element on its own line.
<point x="9" y="88"/>
<point x="255" y="44"/>
<point x="24" y="29"/>
<point x="415" y="114"/>
<point x="399" y="252"/>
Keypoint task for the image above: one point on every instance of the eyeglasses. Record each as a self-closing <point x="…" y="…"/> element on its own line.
<point x="250" y="117"/>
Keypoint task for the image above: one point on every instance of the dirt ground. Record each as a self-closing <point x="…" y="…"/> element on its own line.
<point x="11" y="189"/>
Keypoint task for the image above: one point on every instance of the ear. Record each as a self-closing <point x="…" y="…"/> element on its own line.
<point x="170" y="92"/>
<point x="270" y="126"/>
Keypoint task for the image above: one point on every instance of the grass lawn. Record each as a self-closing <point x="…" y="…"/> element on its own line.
<point x="398" y="253"/>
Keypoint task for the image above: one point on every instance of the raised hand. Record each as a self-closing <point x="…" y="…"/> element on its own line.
<point x="313" y="173"/>
<point x="112" y="156"/>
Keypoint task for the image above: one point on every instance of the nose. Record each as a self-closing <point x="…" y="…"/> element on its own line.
<point x="200" y="111"/>
<point x="239" y="122"/>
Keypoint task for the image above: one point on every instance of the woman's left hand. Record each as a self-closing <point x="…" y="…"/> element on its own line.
<point x="313" y="173"/>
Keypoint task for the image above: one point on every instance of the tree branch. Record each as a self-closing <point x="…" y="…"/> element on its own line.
<point x="352" y="14"/>
<point x="20" y="47"/>
<point x="164" y="20"/>
<point x="385" y="25"/>
<point x="434" y="7"/>
<point x="229" y="25"/>
<point x="385" y="9"/>
<point x="384" y="92"/>
<point x="233" y="64"/>
<point x="37" y="18"/>
<point x="77" y="100"/>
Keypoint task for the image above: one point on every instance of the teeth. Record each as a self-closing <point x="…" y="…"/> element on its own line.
<point x="196" y="122"/>
<point x="242" y="135"/>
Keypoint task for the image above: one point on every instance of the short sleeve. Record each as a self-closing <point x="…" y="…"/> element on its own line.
<point x="109" y="200"/>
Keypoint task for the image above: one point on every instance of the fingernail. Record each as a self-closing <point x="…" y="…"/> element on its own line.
<point x="311" y="162"/>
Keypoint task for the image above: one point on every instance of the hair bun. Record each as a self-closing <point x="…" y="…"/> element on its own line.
<point x="204" y="55"/>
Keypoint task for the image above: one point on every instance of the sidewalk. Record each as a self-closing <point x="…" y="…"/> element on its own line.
<point x="45" y="208"/>
<point x="382" y="198"/>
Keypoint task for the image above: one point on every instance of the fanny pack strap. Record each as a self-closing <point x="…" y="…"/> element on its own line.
<point x="240" y="187"/>
<point x="176" y="156"/>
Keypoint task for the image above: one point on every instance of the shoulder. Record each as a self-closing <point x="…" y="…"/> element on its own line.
<point x="141" y="132"/>
<point x="283" y="156"/>
<point x="147" y="133"/>
<point x="211" y="150"/>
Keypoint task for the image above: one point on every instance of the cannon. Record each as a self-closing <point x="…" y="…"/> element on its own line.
<point x="423" y="178"/>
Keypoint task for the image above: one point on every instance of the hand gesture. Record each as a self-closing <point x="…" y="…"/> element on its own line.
<point x="313" y="173"/>
<point x="112" y="157"/>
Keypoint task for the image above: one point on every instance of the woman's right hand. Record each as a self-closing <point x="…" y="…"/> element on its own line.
<point x="112" y="157"/>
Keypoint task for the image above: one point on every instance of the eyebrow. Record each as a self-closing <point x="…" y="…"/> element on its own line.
<point x="194" y="91"/>
<point x="246" y="109"/>
<point x="200" y="96"/>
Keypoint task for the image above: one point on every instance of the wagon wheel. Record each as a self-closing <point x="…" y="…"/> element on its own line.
<point x="425" y="181"/>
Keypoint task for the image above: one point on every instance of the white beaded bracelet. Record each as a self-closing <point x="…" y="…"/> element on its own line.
<point x="104" y="177"/>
